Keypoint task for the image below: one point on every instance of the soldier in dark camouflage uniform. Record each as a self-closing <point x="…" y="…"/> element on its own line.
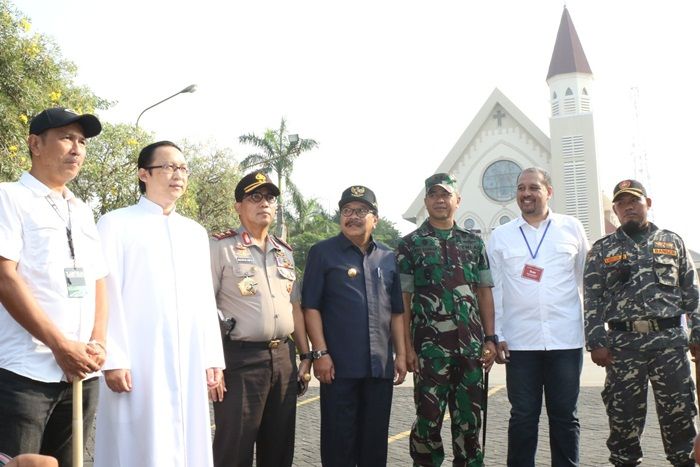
<point x="640" y="280"/>
<point x="446" y="285"/>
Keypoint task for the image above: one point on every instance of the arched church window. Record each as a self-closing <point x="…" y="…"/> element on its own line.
<point x="500" y="180"/>
<point x="569" y="92"/>
<point x="584" y="92"/>
<point x="554" y="95"/>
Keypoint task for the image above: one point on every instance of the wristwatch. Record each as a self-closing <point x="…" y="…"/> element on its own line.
<point x="316" y="354"/>
<point x="493" y="338"/>
<point x="306" y="356"/>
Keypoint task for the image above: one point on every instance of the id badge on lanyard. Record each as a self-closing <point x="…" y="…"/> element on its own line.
<point x="530" y="271"/>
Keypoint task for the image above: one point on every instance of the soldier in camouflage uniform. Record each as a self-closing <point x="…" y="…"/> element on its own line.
<point x="448" y="305"/>
<point x="640" y="280"/>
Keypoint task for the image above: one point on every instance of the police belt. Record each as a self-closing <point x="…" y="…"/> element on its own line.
<point x="646" y="325"/>
<point x="271" y="344"/>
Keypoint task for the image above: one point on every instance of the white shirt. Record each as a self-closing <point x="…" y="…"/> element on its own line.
<point x="33" y="234"/>
<point x="545" y="314"/>
<point x="164" y="327"/>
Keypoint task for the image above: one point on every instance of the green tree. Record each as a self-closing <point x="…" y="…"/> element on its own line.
<point x="308" y="224"/>
<point x="277" y="154"/>
<point x="210" y="193"/>
<point x="387" y="233"/>
<point x="33" y="76"/>
<point x="108" y="179"/>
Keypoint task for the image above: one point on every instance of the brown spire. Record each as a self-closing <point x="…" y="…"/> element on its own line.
<point x="568" y="56"/>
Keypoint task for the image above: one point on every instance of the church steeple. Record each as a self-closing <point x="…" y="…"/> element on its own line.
<point x="568" y="55"/>
<point x="574" y="163"/>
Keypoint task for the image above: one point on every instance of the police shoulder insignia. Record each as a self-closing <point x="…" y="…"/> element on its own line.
<point x="225" y="234"/>
<point x="283" y="243"/>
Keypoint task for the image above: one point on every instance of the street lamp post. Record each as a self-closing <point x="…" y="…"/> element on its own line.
<point x="190" y="88"/>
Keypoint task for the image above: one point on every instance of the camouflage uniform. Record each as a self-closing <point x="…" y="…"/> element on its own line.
<point x="635" y="285"/>
<point x="443" y="274"/>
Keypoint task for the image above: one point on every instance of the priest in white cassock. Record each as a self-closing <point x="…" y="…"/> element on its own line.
<point x="163" y="333"/>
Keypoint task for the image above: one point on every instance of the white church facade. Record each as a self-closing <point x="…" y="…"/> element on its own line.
<point x="501" y="141"/>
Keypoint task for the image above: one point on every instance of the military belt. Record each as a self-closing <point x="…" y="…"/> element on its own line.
<point x="645" y="325"/>
<point x="271" y="344"/>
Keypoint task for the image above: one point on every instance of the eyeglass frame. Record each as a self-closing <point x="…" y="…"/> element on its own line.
<point x="269" y="197"/>
<point x="170" y="168"/>
<point x="349" y="212"/>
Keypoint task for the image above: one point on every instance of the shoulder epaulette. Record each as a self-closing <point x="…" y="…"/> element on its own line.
<point x="225" y="234"/>
<point x="283" y="243"/>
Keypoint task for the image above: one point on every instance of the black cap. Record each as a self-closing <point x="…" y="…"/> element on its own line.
<point x="57" y="117"/>
<point x="358" y="193"/>
<point x="632" y="187"/>
<point x="251" y="182"/>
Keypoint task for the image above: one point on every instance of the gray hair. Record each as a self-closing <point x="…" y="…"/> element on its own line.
<point x="540" y="171"/>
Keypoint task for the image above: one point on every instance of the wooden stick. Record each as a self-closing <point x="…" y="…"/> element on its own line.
<point x="697" y="381"/>
<point x="78" y="423"/>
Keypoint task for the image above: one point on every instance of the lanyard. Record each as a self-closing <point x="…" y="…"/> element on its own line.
<point x="539" y="244"/>
<point x="69" y="231"/>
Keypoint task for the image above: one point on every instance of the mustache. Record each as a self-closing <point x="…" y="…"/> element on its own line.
<point x="354" y="222"/>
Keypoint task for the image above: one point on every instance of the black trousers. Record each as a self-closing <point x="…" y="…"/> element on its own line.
<point x="259" y="408"/>
<point x="36" y="417"/>
<point x="355" y="422"/>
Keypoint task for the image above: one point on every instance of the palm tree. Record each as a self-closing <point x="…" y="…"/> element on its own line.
<point x="277" y="152"/>
<point x="309" y="213"/>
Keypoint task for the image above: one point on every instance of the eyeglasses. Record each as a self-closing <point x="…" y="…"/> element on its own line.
<point x="256" y="197"/>
<point x="170" y="168"/>
<point x="359" y="212"/>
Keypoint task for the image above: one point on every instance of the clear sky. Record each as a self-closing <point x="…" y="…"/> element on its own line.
<point x="387" y="87"/>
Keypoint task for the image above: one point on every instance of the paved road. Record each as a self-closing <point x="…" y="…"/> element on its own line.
<point x="594" y="427"/>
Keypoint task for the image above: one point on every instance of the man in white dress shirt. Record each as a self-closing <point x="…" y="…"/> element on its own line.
<point x="53" y="308"/>
<point x="163" y="334"/>
<point x="537" y="264"/>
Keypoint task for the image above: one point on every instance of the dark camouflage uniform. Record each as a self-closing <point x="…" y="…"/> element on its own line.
<point x="626" y="281"/>
<point x="442" y="275"/>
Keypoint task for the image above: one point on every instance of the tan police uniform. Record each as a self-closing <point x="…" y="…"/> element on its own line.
<point x="253" y="291"/>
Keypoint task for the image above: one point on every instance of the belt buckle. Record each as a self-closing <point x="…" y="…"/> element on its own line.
<point x="273" y="344"/>
<point x="643" y="326"/>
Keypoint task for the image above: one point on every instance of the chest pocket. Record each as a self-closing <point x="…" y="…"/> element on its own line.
<point x="566" y="250"/>
<point x="617" y="274"/>
<point x="468" y="262"/>
<point x="429" y="267"/>
<point x="46" y="245"/>
<point x="666" y="269"/>
<point x="514" y="260"/>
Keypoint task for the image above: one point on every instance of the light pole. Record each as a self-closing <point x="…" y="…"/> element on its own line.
<point x="190" y="88"/>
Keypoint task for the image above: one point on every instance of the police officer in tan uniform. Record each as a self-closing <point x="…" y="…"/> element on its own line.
<point x="258" y="302"/>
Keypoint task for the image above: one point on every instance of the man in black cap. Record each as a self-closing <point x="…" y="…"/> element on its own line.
<point x="639" y="281"/>
<point x="53" y="310"/>
<point x="258" y="303"/>
<point x="354" y="313"/>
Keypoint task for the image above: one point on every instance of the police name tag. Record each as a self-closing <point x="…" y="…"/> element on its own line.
<point x="532" y="273"/>
<point x="75" y="280"/>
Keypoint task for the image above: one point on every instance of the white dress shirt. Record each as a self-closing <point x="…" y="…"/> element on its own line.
<point x="33" y="221"/>
<point x="545" y="314"/>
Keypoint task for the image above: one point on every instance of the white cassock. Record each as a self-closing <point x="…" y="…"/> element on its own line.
<point x="163" y="325"/>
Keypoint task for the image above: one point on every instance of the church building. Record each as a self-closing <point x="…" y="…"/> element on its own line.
<point x="501" y="141"/>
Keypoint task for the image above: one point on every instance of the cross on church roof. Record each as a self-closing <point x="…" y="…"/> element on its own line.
<point x="499" y="115"/>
